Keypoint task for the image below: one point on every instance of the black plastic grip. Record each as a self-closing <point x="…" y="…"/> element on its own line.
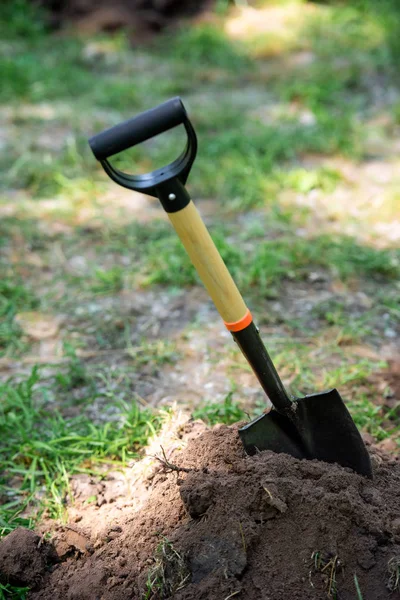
<point x="164" y="182"/>
<point x="137" y="130"/>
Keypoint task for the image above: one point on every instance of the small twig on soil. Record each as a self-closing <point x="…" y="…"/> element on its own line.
<point x="141" y="400"/>
<point x="233" y="594"/>
<point x="332" y="575"/>
<point x="268" y="492"/>
<point x="242" y="534"/>
<point x="321" y="565"/>
<point x="170" y="467"/>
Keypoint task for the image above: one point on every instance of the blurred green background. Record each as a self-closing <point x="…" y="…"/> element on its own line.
<point x="297" y="110"/>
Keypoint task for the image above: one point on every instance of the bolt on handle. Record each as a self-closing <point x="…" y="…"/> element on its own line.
<point x="139" y="129"/>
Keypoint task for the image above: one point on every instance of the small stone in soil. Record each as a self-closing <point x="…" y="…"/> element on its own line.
<point x="196" y="498"/>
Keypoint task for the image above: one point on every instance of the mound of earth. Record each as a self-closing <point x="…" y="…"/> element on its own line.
<point x="209" y="522"/>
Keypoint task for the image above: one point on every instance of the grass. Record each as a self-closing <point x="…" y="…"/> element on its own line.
<point x="269" y="262"/>
<point x="156" y="256"/>
<point x="307" y="367"/>
<point x="206" y="45"/>
<point x="108" y="281"/>
<point x="228" y="411"/>
<point x="42" y="449"/>
<point x="75" y="374"/>
<point x="21" y="19"/>
<point x="14" y="297"/>
<point x="169" y="574"/>
<point x="371" y="418"/>
<point x="334" y="93"/>
<point x="11" y="592"/>
<point x="393" y="568"/>
<point x="329" y="565"/>
<point x="358" y="589"/>
<point x="304" y="181"/>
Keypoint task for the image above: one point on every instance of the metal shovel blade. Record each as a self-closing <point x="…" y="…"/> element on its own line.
<point x="319" y="426"/>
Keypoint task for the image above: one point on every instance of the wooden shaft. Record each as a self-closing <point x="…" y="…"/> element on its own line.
<point x="212" y="270"/>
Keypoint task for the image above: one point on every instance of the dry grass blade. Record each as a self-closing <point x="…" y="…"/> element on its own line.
<point x="169" y="574"/>
<point x="170" y="467"/>
<point x="394" y="574"/>
<point x="242" y="536"/>
<point x="233" y="594"/>
<point x="328" y="565"/>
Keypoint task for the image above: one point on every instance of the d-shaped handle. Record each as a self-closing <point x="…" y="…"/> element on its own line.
<point x="139" y="129"/>
<point x="143" y="127"/>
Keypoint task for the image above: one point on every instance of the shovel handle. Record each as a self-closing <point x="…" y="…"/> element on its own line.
<point x="167" y="184"/>
<point x="212" y="270"/>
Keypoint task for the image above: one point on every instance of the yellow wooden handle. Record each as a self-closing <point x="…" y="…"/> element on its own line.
<point x="193" y="234"/>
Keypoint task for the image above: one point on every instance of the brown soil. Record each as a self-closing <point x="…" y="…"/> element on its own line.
<point x="25" y="557"/>
<point x="224" y="525"/>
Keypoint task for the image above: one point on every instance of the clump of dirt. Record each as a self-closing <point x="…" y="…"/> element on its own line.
<point x="25" y="557"/>
<point x="207" y="521"/>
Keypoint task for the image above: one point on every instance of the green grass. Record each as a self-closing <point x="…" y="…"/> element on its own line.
<point x="75" y="374"/>
<point x="206" y="46"/>
<point x="228" y="411"/>
<point x="156" y="256"/>
<point x="14" y="297"/>
<point x="65" y="172"/>
<point x="169" y="572"/>
<point x="351" y="47"/>
<point x="333" y="91"/>
<point x="304" y="180"/>
<point x="42" y="449"/>
<point x="21" y="19"/>
<point x="358" y="589"/>
<point x="351" y="44"/>
<point x="108" y="281"/>
<point x="11" y="592"/>
<point x="335" y="314"/>
<point x="310" y="366"/>
<point x="370" y="417"/>
<point x="268" y="262"/>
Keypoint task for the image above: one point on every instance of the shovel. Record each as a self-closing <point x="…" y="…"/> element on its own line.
<point x="317" y="426"/>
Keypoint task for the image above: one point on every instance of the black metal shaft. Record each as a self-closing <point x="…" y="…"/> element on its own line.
<point x="250" y="343"/>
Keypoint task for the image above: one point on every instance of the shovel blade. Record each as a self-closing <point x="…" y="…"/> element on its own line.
<point x="320" y="427"/>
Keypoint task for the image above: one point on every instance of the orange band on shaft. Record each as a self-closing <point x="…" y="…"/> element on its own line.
<point x="241" y="324"/>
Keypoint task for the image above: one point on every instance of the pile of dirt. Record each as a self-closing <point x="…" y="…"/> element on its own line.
<point x="210" y="522"/>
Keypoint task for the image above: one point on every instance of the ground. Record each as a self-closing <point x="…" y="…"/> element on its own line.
<point x="201" y="520"/>
<point x="103" y="322"/>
